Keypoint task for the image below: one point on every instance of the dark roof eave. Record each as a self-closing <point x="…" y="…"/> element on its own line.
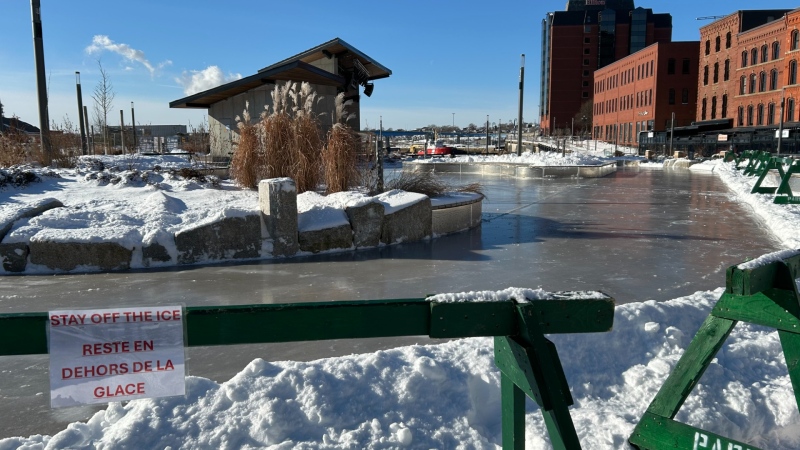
<point x="383" y="71"/>
<point x="207" y="98"/>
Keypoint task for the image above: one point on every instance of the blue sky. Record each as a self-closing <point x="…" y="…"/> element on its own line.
<point x="446" y="57"/>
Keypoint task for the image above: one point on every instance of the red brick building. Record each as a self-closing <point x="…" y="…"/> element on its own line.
<point x="745" y="61"/>
<point x="641" y="92"/>
<point x="588" y="35"/>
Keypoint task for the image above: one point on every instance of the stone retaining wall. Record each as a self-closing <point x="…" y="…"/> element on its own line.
<point x="272" y="232"/>
<point x="518" y="170"/>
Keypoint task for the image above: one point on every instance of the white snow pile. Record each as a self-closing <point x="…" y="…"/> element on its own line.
<point x="529" y="158"/>
<point x="448" y="395"/>
<point x="520" y="295"/>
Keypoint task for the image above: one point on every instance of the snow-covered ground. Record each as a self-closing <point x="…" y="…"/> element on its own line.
<point x="448" y="396"/>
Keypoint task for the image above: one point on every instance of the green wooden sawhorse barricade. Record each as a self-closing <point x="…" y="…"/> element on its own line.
<point x="527" y="359"/>
<point x="764" y="294"/>
<point x="748" y="158"/>
<point x="785" y="195"/>
<point x="763" y="170"/>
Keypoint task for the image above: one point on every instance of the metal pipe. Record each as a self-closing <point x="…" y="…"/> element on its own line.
<point x="133" y="127"/>
<point x="487" y="134"/>
<point x="671" y="132"/>
<point x="122" y="131"/>
<point x="780" y="126"/>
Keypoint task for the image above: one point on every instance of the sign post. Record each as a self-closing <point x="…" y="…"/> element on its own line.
<point x="111" y="355"/>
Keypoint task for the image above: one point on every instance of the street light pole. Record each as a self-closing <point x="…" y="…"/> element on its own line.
<point x="671" y="132"/>
<point x="487" y="134"/>
<point x="41" y="81"/>
<point x="519" y="114"/>
<point x="780" y="126"/>
<point x="84" y="146"/>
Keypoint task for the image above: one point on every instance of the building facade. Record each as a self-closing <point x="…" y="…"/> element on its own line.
<point x="653" y="89"/>
<point x="331" y="68"/>
<point x="588" y="35"/>
<point x="742" y="65"/>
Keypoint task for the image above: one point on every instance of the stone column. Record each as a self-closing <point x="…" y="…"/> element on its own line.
<point x="277" y="199"/>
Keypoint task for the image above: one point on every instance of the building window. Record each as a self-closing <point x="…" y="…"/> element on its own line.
<point x="795" y="40"/>
<point x="703" y="110"/>
<point x="776" y="50"/>
<point x="705" y="75"/>
<point x="671" y="96"/>
<point x="716" y="44"/>
<point x="743" y="85"/>
<point x="752" y="83"/>
<point x="793" y="71"/>
<point x="726" y="75"/>
<point x="760" y="114"/>
<point x="586" y="73"/>
<point x="740" y="116"/>
<point x="671" y="66"/>
<point x="716" y="72"/>
<point x="586" y="51"/>
<point x="749" y="115"/>
<point x="585" y="62"/>
<point x="713" y="107"/>
<point x="773" y="79"/>
<point x="744" y="58"/>
<point x="790" y="110"/>
<point x="764" y="54"/>
<point x="728" y="40"/>
<point x="685" y="96"/>
<point x="770" y="113"/>
<point x="585" y="83"/>
<point x="686" y="66"/>
<point x="762" y="81"/>
<point x="587" y="40"/>
<point x="585" y="94"/>
<point x="754" y="56"/>
<point x="708" y="47"/>
<point x="724" y="113"/>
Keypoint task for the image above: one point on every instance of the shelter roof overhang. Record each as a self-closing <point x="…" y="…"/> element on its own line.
<point x="294" y="70"/>
<point x="337" y="47"/>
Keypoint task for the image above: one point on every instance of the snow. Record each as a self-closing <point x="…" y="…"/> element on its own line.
<point x="532" y="159"/>
<point x="433" y="396"/>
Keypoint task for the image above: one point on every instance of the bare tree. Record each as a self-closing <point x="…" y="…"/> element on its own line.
<point x="103" y="96"/>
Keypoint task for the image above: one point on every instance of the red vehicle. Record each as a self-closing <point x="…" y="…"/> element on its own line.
<point x="437" y="149"/>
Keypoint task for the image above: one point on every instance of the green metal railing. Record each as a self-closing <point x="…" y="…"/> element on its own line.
<point x="765" y="295"/>
<point x="760" y="164"/>
<point x="528" y="361"/>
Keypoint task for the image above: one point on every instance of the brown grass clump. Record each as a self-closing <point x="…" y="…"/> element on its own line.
<point x="15" y="148"/>
<point x="340" y="153"/>
<point x="245" y="160"/>
<point x="426" y="183"/>
<point x="306" y="143"/>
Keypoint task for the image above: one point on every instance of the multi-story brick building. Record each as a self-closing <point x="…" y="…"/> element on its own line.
<point x="588" y="35"/>
<point x="744" y="65"/>
<point x="641" y="92"/>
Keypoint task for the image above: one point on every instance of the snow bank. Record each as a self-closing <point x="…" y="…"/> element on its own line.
<point x="448" y="395"/>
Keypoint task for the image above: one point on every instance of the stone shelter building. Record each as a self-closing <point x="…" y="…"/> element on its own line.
<point x="331" y="68"/>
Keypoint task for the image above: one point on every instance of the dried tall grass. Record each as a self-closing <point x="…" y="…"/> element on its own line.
<point x="339" y="156"/>
<point x="244" y="163"/>
<point x="15" y="148"/>
<point x="426" y="183"/>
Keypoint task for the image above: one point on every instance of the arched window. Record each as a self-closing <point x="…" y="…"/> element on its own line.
<point x="760" y="114"/>
<point x="776" y="50"/>
<point x="770" y="113"/>
<point x="749" y="115"/>
<point x="705" y="75"/>
<point x="713" y="107"/>
<point x="728" y="40"/>
<point x="764" y="54"/>
<point x="724" y="113"/>
<point x="703" y="110"/>
<point x="754" y="56"/>
<point x="790" y="110"/>
<point x="762" y="81"/>
<point x="752" y="83"/>
<point x="726" y="74"/>
<point x="795" y="40"/>
<point x="708" y="47"/>
<point x="716" y="72"/>
<point x="793" y="72"/>
<point x="773" y="79"/>
<point x="716" y="44"/>
<point x="740" y="116"/>
<point x="744" y="58"/>
<point x="742" y="85"/>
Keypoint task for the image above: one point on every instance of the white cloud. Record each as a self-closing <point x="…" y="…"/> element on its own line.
<point x="102" y="43"/>
<point x="200" y="80"/>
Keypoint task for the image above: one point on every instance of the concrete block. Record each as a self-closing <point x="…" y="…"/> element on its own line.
<point x="277" y="199"/>
<point x="154" y="252"/>
<point x="367" y="224"/>
<point x="14" y="256"/>
<point x="316" y="241"/>
<point x="412" y="223"/>
<point x="230" y="238"/>
<point x="66" y="256"/>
